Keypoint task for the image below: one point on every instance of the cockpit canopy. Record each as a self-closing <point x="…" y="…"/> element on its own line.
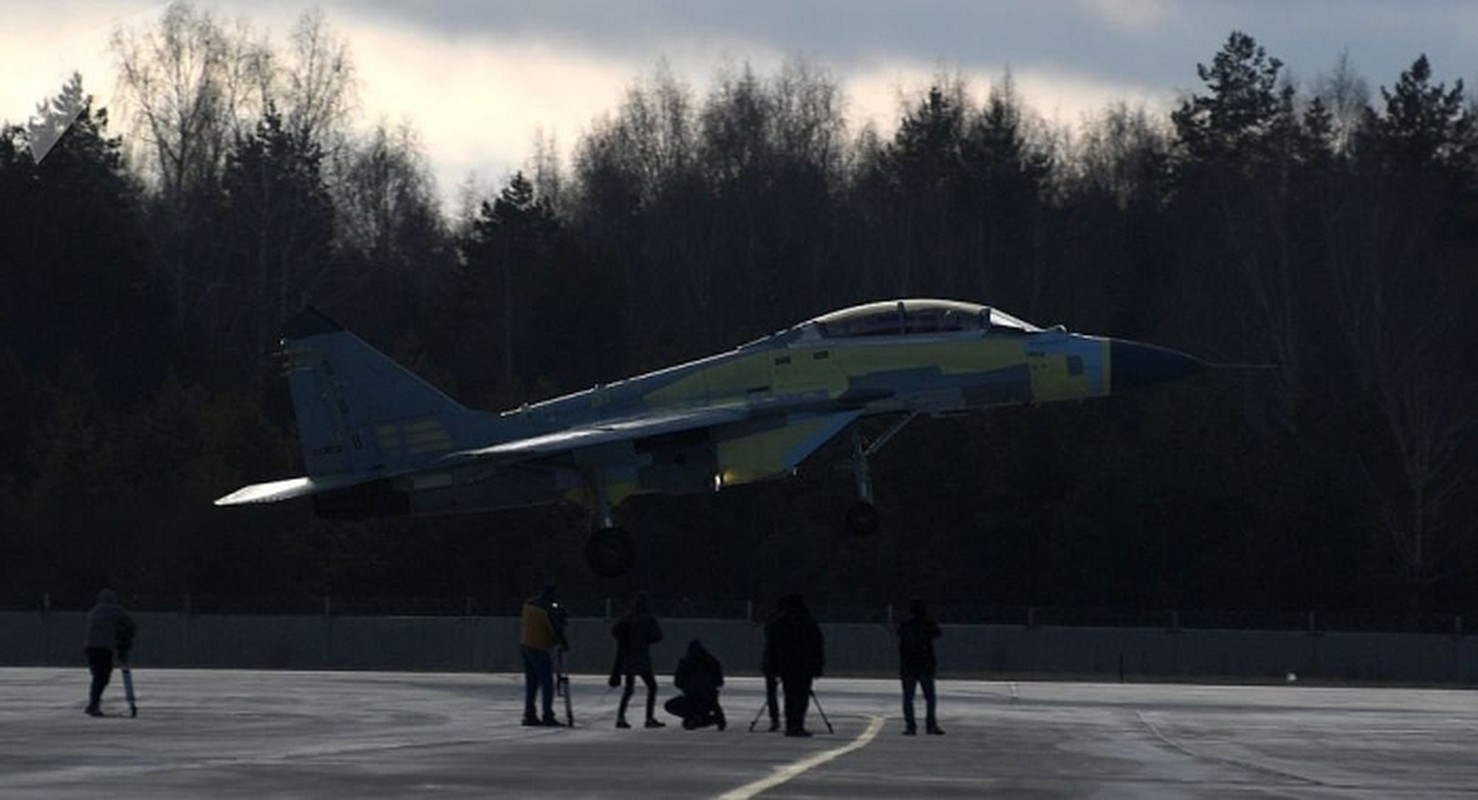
<point x="914" y="316"/>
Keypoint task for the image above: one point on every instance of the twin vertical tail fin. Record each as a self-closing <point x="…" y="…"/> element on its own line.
<point x="361" y="416"/>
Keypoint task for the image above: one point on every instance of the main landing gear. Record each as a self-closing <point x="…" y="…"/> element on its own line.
<point x="862" y="516"/>
<point x="610" y="551"/>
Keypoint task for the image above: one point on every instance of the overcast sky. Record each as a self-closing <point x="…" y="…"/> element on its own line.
<point x="478" y="79"/>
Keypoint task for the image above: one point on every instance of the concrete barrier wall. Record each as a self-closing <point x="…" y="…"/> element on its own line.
<point x="491" y="644"/>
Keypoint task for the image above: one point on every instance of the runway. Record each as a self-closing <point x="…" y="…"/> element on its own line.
<point x="252" y="734"/>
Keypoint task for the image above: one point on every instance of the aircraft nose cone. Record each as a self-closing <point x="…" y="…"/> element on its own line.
<point x="1134" y="364"/>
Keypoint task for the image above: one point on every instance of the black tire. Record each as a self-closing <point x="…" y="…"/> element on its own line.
<point x="862" y="519"/>
<point x="610" y="552"/>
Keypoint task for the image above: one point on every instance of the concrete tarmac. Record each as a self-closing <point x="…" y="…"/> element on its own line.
<point x="252" y="734"/>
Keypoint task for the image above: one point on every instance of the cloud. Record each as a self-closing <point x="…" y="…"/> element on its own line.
<point x="479" y="102"/>
<point x="882" y="95"/>
<point x="478" y="79"/>
<point x="1134" y="17"/>
<point x="43" y="44"/>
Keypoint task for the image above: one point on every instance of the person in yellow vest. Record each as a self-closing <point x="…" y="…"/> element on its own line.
<point x="539" y="633"/>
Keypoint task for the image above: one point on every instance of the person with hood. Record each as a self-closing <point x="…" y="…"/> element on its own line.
<point x="635" y="634"/>
<point x="916" y="665"/>
<point x="698" y="676"/>
<point x="541" y="630"/>
<point x="795" y="650"/>
<point x="109" y="630"/>
<point x="772" y="678"/>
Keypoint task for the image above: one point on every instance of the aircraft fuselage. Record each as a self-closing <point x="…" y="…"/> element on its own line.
<point x="379" y="441"/>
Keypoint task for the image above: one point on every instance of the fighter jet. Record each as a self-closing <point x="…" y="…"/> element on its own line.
<point x="379" y="441"/>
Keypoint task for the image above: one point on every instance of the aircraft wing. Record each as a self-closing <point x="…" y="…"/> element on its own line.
<point x="603" y="432"/>
<point x="753" y="447"/>
<point x="749" y="447"/>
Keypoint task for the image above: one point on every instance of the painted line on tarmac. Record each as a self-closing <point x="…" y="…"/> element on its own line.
<point x="795" y="770"/>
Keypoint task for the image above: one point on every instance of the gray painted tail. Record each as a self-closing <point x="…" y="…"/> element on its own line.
<point x="359" y="412"/>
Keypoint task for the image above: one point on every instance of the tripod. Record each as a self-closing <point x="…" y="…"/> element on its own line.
<point x="821" y="711"/>
<point x="814" y="699"/>
<point x="763" y="707"/>
<point x="562" y="686"/>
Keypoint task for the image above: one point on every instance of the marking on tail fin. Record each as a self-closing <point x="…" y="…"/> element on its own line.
<point x="415" y="436"/>
<point x="359" y="412"/>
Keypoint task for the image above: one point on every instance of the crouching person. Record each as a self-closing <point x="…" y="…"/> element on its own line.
<point x="698" y="676"/>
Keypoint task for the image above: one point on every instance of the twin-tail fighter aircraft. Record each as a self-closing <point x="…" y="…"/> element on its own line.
<point x="379" y="441"/>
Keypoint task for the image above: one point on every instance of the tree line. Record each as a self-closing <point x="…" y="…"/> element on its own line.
<point x="1326" y="229"/>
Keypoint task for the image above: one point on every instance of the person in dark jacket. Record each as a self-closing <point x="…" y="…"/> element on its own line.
<point x="109" y="630"/>
<point x="917" y="665"/>
<point x="795" y="650"/>
<point x="772" y="678"/>
<point x="698" y="676"/>
<point x="635" y="634"/>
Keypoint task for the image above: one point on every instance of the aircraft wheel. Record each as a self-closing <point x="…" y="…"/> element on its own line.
<point x="862" y="519"/>
<point x="610" y="552"/>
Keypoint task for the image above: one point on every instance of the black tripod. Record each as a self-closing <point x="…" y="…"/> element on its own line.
<point x="763" y="707"/>
<point x="814" y="699"/>
<point x="821" y="711"/>
<point x="562" y="686"/>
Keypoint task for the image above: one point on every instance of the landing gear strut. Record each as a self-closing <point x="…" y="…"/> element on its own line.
<point x="862" y="516"/>
<point x="610" y="551"/>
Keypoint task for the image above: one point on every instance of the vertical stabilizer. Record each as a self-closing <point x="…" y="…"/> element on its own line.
<point x="359" y="412"/>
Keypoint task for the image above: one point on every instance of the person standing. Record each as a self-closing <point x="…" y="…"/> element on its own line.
<point x="540" y="632"/>
<point x="917" y="665"/>
<point x="767" y="668"/>
<point x="109" y="630"/>
<point x="797" y="652"/>
<point x="635" y="634"/>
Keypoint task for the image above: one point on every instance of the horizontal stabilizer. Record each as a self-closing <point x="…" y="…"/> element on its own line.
<point x="277" y="491"/>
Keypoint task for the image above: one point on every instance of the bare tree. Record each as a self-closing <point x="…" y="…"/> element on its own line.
<point x="1123" y="152"/>
<point x="547" y="172"/>
<point x="1239" y="148"/>
<point x="1401" y="280"/>
<point x="810" y="123"/>
<point x="1403" y="320"/>
<point x="388" y="224"/>
<point x="188" y="87"/>
<point x="1347" y="97"/>
<point x="318" y="92"/>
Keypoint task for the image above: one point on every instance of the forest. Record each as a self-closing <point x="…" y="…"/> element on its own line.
<point x="147" y="262"/>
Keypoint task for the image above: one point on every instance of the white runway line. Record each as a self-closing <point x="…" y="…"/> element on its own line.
<point x="790" y="771"/>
